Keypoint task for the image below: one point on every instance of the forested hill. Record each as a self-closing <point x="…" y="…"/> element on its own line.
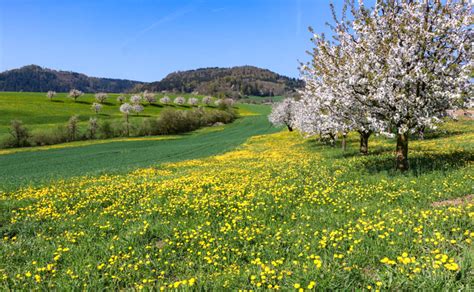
<point x="36" y="78"/>
<point x="234" y="82"/>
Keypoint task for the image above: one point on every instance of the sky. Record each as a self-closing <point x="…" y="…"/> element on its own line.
<point x="147" y="39"/>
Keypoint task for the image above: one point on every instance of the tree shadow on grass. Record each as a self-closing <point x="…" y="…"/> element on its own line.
<point x="155" y="105"/>
<point x="57" y="100"/>
<point x="107" y="103"/>
<point x="420" y="162"/>
<point x="82" y="102"/>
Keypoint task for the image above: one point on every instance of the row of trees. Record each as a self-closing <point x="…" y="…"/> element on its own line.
<point x="394" y="69"/>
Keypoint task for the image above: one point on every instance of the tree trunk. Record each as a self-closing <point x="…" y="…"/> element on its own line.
<point x="421" y="133"/>
<point x="290" y="128"/>
<point x="344" y="142"/>
<point x="402" y="152"/>
<point x="128" y="130"/>
<point x="364" y="142"/>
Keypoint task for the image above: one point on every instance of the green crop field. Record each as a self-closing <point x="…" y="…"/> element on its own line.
<point x="33" y="166"/>
<point x="37" y="112"/>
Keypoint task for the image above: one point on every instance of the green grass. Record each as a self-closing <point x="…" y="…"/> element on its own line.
<point x="37" y="112"/>
<point x="39" y="166"/>
<point x="277" y="211"/>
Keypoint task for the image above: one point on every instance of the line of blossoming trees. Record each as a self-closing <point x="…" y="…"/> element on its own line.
<point x="393" y="69"/>
<point x="135" y="103"/>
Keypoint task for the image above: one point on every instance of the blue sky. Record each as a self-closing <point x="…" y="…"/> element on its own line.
<point x="145" y="40"/>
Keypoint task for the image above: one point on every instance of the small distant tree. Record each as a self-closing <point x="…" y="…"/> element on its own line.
<point x="126" y="109"/>
<point x="75" y="94"/>
<point x="180" y="100"/>
<point x="101" y="97"/>
<point x="19" y="133"/>
<point x="93" y="127"/>
<point x="149" y="97"/>
<point x="165" y="100"/>
<point x="96" y="107"/>
<point x="218" y="102"/>
<point x="137" y="108"/>
<point x="207" y="100"/>
<point x="51" y="94"/>
<point x="283" y="114"/>
<point x="193" y="101"/>
<point x="121" y="99"/>
<point x="136" y="99"/>
<point x="72" y="127"/>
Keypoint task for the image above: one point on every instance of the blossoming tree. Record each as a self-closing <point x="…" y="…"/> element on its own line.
<point x="283" y="113"/>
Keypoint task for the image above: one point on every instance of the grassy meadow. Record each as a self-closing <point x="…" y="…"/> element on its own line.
<point x="38" y="113"/>
<point x="240" y="207"/>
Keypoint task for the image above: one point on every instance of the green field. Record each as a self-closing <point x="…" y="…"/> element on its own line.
<point x="34" y="166"/>
<point x="37" y="112"/>
<point x="241" y="206"/>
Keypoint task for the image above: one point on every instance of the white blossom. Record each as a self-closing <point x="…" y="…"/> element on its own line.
<point x="50" y="94"/>
<point x="193" y="101"/>
<point x="136" y="99"/>
<point x="101" y="97"/>
<point x="283" y="113"/>
<point x="165" y="100"/>
<point x="75" y="94"/>
<point x="96" y="107"/>
<point x="180" y="100"/>
<point x="149" y="97"/>
<point x="207" y="100"/>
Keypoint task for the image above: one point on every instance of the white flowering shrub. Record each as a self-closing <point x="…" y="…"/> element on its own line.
<point x="193" y="101"/>
<point x="149" y="97"/>
<point x="96" y="107"/>
<point x="75" y="94"/>
<point x="126" y="108"/>
<point x="50" y="94"/>
<point x="136" y="99"/>
<point x="180" y="100"/>
<point x="207" y="100"/>
<point x="137" y="108"/>
<point x="101" y="97"/>
<point x="165" y="100"/>
<point x="121" y="99"/>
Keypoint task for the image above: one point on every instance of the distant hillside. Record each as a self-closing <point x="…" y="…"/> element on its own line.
<point x="233" y="82"/>
<point x="38" y="79"/>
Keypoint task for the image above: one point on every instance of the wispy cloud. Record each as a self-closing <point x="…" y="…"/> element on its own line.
<point x="299" y="14"/>
<point x="167" y="18"/>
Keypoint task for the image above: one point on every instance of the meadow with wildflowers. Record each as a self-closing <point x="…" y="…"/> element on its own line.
<point x="279" y="212"/>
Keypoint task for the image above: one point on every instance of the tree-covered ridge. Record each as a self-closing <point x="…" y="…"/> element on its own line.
<point x="35" y="78"/>
<point x="234" y="82"/>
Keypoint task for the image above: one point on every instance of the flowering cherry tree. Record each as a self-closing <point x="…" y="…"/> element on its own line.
<point x="75" y="94"/>
<point x="149" y="97"/>
<point x="121" y="99"/>
<point x="126" y="109"/>
<point x="136" y="99"/>
<point x="193" y="101"/>
<point x="96" y="107"/>
<point x="101" y="97"/>
<point x="207" y="100"/>
<point x="50" y="94"/>
<point x="396" y="68"/>
<point x="283" y="113"/>
<point x="180" y="100"/>
<point x="165" y="100"/>
<point x="137" y="108"/>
